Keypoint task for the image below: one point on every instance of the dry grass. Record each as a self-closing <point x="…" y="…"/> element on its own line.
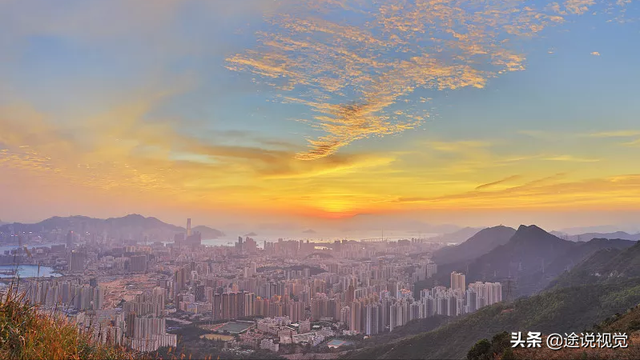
<point x="29" y="334"/>
<point x="26" y="333"/>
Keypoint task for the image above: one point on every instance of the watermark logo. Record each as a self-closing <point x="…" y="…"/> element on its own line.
<point x="557" y="341"/>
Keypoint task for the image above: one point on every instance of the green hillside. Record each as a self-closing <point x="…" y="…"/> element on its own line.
<point x="499" y="348"/>
<point x="608" y="265"/>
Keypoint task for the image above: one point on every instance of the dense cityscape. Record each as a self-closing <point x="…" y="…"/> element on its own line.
<point x="255" y="297"/>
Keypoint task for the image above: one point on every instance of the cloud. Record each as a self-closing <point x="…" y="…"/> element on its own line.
<point x="617" y="134"/>
<point x="578" y="7"/>
<point x="354" y="78"/>
<point x="547" y="192"/>
<point x="595" y="53"/>
<point x="632" y="143"/>
<point x="458" y="146"/>
<point x="133" y="156"/>
<point x="475" y="195"/>
<point x="569" y="158"/>
<point x="502" y="181"/>
<point x="613" y="134"/>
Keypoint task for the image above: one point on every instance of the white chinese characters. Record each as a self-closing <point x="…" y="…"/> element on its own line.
<point x="557" y="341"/>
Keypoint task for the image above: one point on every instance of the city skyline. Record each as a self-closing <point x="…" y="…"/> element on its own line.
<point x="317" y="113"/>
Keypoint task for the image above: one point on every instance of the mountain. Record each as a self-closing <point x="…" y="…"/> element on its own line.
<point x="607" y="265"/>
<point x="309" y="231"/>
<point x="525" y="253"/>
<point x="208" y="233"/>
<point x="583" y="251"/>
<point x="531" y="259"/>
<point x="588" y="236"/>
<point x="531" y="283"/>
<point x="556" y="311"/>
<point x="133" y="225"/>
<point x="77" y="223"/>
<point x="477" y="245"/>
<point x="592" y="229"/>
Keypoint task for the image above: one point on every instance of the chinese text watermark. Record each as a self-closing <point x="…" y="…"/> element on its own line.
<point x="557" y="341"/>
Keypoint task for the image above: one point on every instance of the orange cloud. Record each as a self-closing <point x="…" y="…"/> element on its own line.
<point x="352" y="77"/>
<point x="578" y="7"/>
<point x="498" y="182"/>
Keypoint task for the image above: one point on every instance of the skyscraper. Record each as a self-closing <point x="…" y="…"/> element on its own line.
<point x="458" y="281"/>
<point x="188" y="227"/>
<point x="76" y="262"/>
<point x="69" y="240"/>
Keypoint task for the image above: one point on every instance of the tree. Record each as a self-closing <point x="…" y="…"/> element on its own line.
<point x="480" y="350"/>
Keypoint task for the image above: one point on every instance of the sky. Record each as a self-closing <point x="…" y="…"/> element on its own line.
<point x="324" y="113"/>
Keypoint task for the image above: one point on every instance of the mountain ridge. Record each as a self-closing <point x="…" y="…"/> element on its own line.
<point x="532" y="258"/>
<point x="477" y="245"/>
<point x="131" y="222"/>
<point x="597" y="235"/>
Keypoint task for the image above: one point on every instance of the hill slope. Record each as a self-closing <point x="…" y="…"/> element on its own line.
<point x="606" y="265"/>
<point x="597" y="235"/>
<point x="559" y="310"/>
<point x="626" y="323"/>
<point x="532" y="258"/>
<point x="525" y="253"/>
<point x="477" y="245"/>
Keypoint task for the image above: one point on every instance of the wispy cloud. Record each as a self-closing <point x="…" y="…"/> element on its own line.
<point x="595" y="53"/>
<point x="353" y="77"/>
<point x="569" y="158"/>
<point x="502" y="181"/>
<point x="549" y="192"/>
<point x="461" y="146"/>
<point x="632" y="143"/>
<point x="629" y="133"/>
<point x="613" y="134"/>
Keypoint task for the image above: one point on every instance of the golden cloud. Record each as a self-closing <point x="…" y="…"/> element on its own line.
<point x="353" y="77"/>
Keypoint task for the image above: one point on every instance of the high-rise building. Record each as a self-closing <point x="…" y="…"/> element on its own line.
<point x="356" y="317"/>
<point x="217" y="307"/>
<point x="432" y="269"/>
<point x="76" y="261"/>
<point x="458" y="281"/>
<point x="372" y="319"/>
<point x="188" y="227"/>
<point x="70" y="237"/>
